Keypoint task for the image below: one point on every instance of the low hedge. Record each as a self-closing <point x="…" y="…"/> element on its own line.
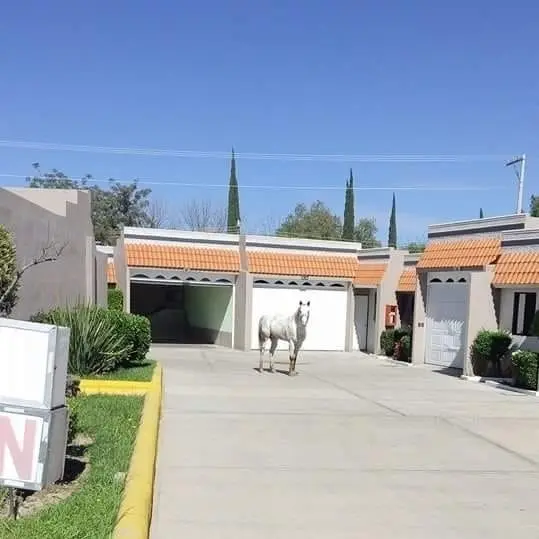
<point x="137" y="333"/>
<point x="115" y="299"/>
<point x="488" y="349"/>
<point x="524" y="365"/>
<point x="102" y="340"/>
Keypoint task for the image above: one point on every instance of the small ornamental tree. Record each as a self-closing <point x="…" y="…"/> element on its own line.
<point x="8" y="272"/>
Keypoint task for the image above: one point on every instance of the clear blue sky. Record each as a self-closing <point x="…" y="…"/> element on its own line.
<point x="274" y="76"/>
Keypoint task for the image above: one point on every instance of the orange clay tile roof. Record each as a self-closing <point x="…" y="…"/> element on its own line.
<point x="179" y="257"/>
<point x="407" y="281"/>
<point x="111" y="273"/>
<point x="517" y="268"/>
<point x="369" y="274"/>
<point x="273" y="263"/>
<point x="472" y="253"/>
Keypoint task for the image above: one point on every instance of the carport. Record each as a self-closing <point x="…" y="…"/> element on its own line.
<point x="185" y="312"/>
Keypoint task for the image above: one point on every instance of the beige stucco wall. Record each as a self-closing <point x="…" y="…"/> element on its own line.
<point x="37" y="218"/>
<point x="482" y="310"/>
<point x="122" y="271"/>
<point x="386" y="295"/>
<point x="101" y="285"/>
<point x="243" y="311"/>
<point x="420" y="305"/>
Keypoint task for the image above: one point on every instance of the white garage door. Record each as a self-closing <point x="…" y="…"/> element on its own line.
<point x="447" y="315"/>
<point x="327" y="323"/>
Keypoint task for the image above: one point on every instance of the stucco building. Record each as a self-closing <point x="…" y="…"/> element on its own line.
<point x="212" y="288"/>
<point x="40" y="218"/>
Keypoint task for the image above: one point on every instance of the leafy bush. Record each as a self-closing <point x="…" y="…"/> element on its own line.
<point x="136" y="332"/>
<point x="115" y="299"/>
<point x="525" y="369"/>
<point x="8" y="272"/>
<point x="403" y="331"/>
<point x="96" y="346"/>
<point x="488" y="349"/>
<point x="387" y="342"/>
<point x="403" y="350"/>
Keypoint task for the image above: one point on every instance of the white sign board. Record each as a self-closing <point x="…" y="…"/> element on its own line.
<point x="32" y="447"/>
<point x="33" y="364"/>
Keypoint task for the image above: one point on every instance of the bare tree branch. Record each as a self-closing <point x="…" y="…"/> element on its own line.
<point x="202" y="216"/>
<point x="49" y="253"/>
<point x="158" y="214"/>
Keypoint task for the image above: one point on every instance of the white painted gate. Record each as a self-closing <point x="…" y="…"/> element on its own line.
<point x="327" y="323"/>
<point x="446" y="320"/>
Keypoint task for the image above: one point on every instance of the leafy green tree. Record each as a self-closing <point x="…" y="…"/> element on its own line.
<point x="481" y="215"/>
<point x="8" y="273"/>
<point x="365" y="232"/>
<point x="315" y="222"/>
<point x="534" y="206"/>
<point x="348" y="221"/>
<point x="392" y="236"/>
<point x="415" y="247"/>
<point x="233" y="213"/>
<point x="119" y="205"/>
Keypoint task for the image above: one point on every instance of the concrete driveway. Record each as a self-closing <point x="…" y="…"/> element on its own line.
<point x="353" y="447"/>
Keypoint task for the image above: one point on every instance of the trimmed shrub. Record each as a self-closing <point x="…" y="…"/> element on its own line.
<point x="96" y="346"/>
<point x="525" y="369"/>
<point x="115" y="299"/>
<point x="403" y="348"/>
<point x="8" y="272"/>
<point x="136" y="332"/>
<point x="488" y="349"/>
<point x="387" y="342"/>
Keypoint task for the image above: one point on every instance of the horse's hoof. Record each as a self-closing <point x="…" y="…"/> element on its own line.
<point x="292" y="373"/>
<point x="260" y="370"/>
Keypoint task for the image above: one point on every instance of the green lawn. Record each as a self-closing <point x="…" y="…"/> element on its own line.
<point x="90" y="512"/>
<point x="137" y="373"/>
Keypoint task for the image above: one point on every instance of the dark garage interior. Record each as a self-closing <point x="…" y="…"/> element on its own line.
<point x="185" y="313"/>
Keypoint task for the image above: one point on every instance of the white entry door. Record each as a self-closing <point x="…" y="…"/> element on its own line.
<point x="361" y="321"/>
<point x="326" y="329"/>
<point x="447" y="317"/>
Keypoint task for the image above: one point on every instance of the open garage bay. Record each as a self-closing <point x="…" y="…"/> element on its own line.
<point x="186" y="313"/>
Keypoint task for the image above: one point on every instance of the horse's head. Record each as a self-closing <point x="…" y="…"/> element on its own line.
<point x="303" y="312"/>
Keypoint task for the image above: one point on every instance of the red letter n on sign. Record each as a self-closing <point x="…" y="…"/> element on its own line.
<point x="21" y="454"/>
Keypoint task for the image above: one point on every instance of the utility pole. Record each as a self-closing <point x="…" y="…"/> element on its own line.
<point x="520" y="178"/>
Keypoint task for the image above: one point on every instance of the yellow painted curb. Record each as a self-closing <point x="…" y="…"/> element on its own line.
<point x="115" y="387"/>
<point x="134" y="516"/>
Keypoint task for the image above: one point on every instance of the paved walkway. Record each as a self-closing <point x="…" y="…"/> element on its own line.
<point x="353" y="447"/>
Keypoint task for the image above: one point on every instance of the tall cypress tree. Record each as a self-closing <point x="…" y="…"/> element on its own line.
<point x="392" y="237"/>
<point x="349" y="218"/>
<point x="233" y="214"/>
<point x="481" y="213"/>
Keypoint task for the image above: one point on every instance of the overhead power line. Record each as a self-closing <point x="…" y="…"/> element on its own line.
<point x="154" y="152"/>
<point x="285" y="187"/>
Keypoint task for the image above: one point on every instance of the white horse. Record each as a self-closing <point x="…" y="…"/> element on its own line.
<point x="287" y="328"/>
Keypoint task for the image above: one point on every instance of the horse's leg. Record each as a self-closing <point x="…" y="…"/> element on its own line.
<point x="291" y="354"/>
<point x="262" y="345"/>
<point x="296" y="350"/>
<point x="274" y="343"/>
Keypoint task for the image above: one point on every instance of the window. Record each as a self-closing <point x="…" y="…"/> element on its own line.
<point x="523" y="312"/>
